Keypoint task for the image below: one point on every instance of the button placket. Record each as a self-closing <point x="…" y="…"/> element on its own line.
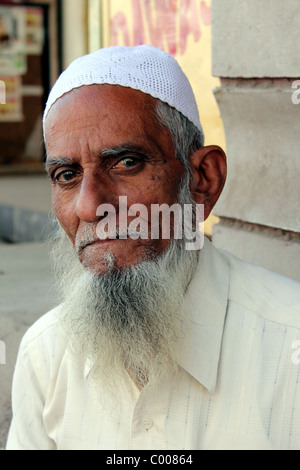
<point x="148" y="423"/>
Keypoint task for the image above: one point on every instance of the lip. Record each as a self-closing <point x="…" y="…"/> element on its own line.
<point x="98" y="242"/>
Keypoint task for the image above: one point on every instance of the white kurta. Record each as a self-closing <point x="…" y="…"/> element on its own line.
<point x="238" y="388"/>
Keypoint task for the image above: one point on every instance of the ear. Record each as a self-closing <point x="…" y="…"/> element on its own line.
<point x="209" y="170"/>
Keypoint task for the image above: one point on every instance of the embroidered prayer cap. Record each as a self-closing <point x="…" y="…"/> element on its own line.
<point x="144" y="68"/>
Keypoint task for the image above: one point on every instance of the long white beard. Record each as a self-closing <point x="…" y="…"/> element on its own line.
<point x="126" y="320"/>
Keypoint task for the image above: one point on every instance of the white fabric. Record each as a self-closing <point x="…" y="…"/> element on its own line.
<point x="238" y="386"/>
<point x="143" y="68"/>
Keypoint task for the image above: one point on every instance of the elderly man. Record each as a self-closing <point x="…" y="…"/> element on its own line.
<point x="154" y="346"/>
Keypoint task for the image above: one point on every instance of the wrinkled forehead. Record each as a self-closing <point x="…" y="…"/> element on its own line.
<point x="107" y="113"/>
<point x="100" y="100"/>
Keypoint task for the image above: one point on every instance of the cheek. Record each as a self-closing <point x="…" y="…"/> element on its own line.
<point x="66" y="215"/>
<point x="163" y="190"/>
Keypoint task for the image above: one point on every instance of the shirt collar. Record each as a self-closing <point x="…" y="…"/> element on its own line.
<point x="206" y="305"/>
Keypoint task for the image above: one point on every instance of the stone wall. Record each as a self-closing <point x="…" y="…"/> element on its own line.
<point x="256" y="53"/>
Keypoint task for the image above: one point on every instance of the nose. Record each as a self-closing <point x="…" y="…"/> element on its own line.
<point x="93" y="192"/>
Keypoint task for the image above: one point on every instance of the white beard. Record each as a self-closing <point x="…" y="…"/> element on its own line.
<point x="126" y="320"/>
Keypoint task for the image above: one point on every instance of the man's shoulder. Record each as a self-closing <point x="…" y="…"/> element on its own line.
<point x="272" y="296"/>
<point x="43" y="330"/>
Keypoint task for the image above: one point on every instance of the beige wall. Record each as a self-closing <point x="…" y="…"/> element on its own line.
<point x="256" y="51"/>
<point x="74" y="30"/>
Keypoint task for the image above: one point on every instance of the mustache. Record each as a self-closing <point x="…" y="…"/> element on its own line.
<point x="88" y="235"/>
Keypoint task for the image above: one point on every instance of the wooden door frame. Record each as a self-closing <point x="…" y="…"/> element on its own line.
<point x="54" y="36"/>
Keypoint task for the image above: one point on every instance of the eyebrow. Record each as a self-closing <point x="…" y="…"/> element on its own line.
<point x="112" y="151"/>
<point x="120" y="150"/>
<point x="105" y="153"/>
<point x="56" y="162"/>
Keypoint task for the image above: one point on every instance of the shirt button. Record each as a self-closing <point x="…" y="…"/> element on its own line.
<point x="148" y="423"/>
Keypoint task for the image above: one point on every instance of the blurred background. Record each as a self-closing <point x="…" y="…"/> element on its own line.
<point x="39" y="39"/>
<point x="242" y="59"/>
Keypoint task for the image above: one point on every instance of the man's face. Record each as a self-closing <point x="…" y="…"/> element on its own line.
<point x="102" y="143"/>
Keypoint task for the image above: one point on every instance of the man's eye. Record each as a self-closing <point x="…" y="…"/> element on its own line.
<point x="64" y="176"/>
<point x="126" y="163"/>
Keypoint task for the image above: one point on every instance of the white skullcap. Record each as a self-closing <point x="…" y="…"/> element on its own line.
<point x="142" y="68"/>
